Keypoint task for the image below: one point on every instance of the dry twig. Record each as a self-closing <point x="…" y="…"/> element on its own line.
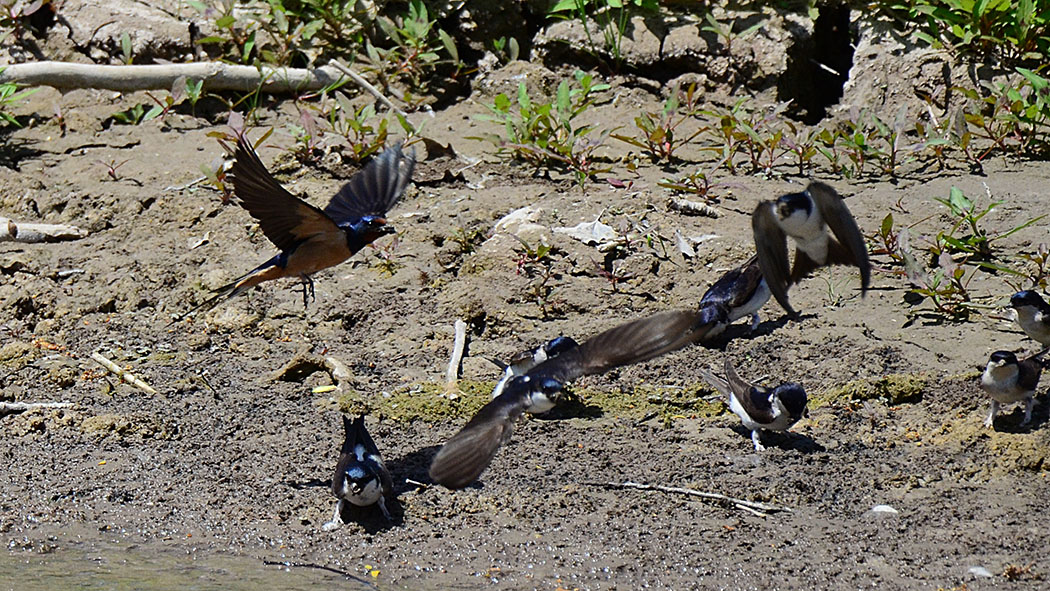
<point x="452" y="374"/>
<point x="12" y="231"/>
<point x="10" y="408"/>
<point x="365" y="85"/>
<point x="753" y="507"/>
<point x="691" y="207"/>
<point x="216" y="76"/>
<point x="122" y="373"/>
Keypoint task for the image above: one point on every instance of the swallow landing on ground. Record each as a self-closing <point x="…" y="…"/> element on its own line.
<point x="311" y="239"/>
<point x="530" y="358"/>
<point x="1007" y="380"/>
<point x="360" y="477"/>
<point x="743" y="291"/>
<point x="760" y="408"/>
<point x="1033" y="314"/>
<point x="466" y="455"/>
<point x="803" y="216"/>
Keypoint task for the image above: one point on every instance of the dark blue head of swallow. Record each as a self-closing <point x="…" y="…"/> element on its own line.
<point x="792" y="202"/>
<point x="359" y="476"/>
<point x="712" y="314"/>
<point x="793" y="397"/>
<point x="1028" y="298"/>
<point x="549" y="387"/>
<point x="364" y="230"/>
<point x="1003" y="358"/>
<point x="559" y="345"/>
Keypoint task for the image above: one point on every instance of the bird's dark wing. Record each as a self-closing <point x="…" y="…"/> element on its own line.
<point x="374" y="190"/>
<point x="284" y="218"/>
<point x="837" y="216"/>
<point x="771" y="250"/>
<point x="754" y="400"/>
<point x="633" y="342"/>
<point x="735" y="287"/>
<point x="466" y="455"/>
<point x="1028" y="373"/>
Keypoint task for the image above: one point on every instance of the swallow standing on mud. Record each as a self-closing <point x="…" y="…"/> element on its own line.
<point x="466" y="455"/>
<point x="311" y="239"/>
<point x="1007" y="380"/>
<point x="1033" y="314"/>
<point x="803" y="216"/>
<point x="521" y="363"/>
<point x="760" y="408"/>
<point x="361" y="478"/>
<point x="743" y="291"/>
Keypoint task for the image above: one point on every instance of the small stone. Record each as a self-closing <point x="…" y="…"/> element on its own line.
<point x="980" y="572"/>
<point x="884" y="509"/>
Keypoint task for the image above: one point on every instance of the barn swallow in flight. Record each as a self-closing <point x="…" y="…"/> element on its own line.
<point x="1007" y="380"/>
<point x="803" y="216"/>
<point x="1033" y="314"/>
<point x="466" y="455"/>
<point x="311" y="239"/>
<point x="361" y="478"/>
<point x="760" y="408"/>
<point x="521" y="363"/>
<point x="743" y="291"/>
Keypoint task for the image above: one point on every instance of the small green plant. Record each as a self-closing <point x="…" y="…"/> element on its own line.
<point x="387" y="255"/>
<point x="537" y="264"/>
<point x="111" y="168"/>
<point x="9" y="95"/>
<point x="727" y="33"/>
<point x="611" y="18"/>
<point x="1012" y="31"/>
<point x="416" y="41"/>
<point x="506" y="49"/>
<point x="126" y="49"/>
<point x="545" y="133"/>
<point x="131" y="116"/>
<point x="946" y="290"/>
<point x="1036" y="272"/>
<point x="215" y="174"/>
<point x="657" y="136"/>
<point x="976" y="245"/>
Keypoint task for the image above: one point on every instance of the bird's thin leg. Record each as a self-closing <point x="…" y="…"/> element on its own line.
<point x="756" y="439"/>
<point x="337" y="518"/>
<point x="382" y="507"/>
<point x="308" y="290"/>
<point x="755" y="321"/>
<point x="991" y="414"/>
<point x="1029" y="403"/>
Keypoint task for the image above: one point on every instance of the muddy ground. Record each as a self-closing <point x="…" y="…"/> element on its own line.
<point x="233" y="455"/>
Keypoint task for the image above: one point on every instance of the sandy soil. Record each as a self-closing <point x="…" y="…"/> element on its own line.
<point x="229" y="458"/>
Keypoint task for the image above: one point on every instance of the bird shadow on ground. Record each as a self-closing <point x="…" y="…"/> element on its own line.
<point x="743" y="331"/>
<point x="784" y="440"/>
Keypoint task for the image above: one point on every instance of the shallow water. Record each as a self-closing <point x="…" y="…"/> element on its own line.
<point x="133" y="567"/>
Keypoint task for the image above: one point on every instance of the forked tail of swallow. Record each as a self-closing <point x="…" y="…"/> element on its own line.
<point x="230" y="290"/>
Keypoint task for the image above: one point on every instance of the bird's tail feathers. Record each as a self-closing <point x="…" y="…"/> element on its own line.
<point x="230" y="290"/>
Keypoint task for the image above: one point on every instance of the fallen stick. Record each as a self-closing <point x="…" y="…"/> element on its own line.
<point x="691" y="207"/>
<point x="12" y="231"/>
<point x="753" y="507"/>
<point x="340" y="373"/>
<point x="452" y="374"/>
<point x="122" y="373"/>
<point x="366" y="85"/>
<point x="216" y="76"/>
<point x="10" y="408"/>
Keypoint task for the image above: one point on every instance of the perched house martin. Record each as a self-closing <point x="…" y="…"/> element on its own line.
<point x="466" y="455"/>
<point x="743" y="291"/>
<point x="1033" y="314"/>
<point x="361" y="478"/>
<point x="803" y="216"/>
<point x="530" y="358"/>
<point x="311" y="239"/>
<point x="1007" y="380"/>
<point x="775" y="409"/>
